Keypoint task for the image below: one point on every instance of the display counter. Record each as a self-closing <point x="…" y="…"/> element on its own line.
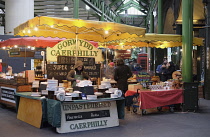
<point x="7" y="92"/>
<point x="71" y="116"/>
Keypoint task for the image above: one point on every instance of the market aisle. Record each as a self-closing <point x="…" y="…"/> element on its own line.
<point x="152" y="125"/>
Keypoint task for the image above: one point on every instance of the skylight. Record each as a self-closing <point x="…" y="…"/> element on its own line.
<point x="132" y="10"/>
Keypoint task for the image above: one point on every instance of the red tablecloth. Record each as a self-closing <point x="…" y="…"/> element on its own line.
<point x="152" y="99"/>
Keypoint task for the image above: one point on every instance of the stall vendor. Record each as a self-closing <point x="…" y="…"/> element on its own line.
<point x="77" y="74"/>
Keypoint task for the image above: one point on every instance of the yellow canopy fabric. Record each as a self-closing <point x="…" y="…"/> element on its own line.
<point x="151" y="40"/>
<point x="84" y="29"/>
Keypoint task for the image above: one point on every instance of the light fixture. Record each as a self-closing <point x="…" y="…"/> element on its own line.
<point x="66" y="8"/>
<point x="36" y="29"/>
<point x="106" y="31"/>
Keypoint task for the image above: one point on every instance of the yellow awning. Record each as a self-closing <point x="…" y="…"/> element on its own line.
<point x="151" y="40"/>
<point x="85" y="29"/>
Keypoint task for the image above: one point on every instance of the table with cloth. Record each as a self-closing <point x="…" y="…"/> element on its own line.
<point x="31" y="109"/>
<point x="151" y="99"/>
<point x="37" y="110"/>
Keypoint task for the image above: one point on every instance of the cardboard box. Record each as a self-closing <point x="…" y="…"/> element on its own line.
<point x="30" y="75"/>
<point x="134" y="87"/>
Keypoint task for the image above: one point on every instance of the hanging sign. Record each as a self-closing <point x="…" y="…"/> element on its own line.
<point x="68" y="48"/>
<point x="124" y="54"/>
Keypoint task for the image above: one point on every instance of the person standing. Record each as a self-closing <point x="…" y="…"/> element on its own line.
<point x="110" y="71"/>
<point x="137" y="67"/>
<point x="167" y="72"/>
<point x="121" y="74"/>
<point x="77" y="73"/>
<point x="161" y="69"/>
<point x="131" y="65"/>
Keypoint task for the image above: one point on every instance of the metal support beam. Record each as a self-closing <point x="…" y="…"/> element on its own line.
<point x="187" y="39"/>
<point x="151" y="8"/>
<point x="76" y="9"/>
<point x="207" y="53"/>
<point x="145" y="1"/>
<point x="102" y="15"/>
<point x="160" y="16"/>
<point x="115" y="2"/>
<point x="151" y="23"/>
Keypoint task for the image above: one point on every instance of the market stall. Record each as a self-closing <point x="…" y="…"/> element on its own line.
<point x="158" y="98"/>
<point x="67" y="116"/>
<point x="78" y="29"/>
<point x="157" y="95"/>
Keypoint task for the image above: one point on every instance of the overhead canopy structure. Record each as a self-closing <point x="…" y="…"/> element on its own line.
<point x="35" y="41"/>
<point x="151" y="40"/>
<point x="71" y="28"/>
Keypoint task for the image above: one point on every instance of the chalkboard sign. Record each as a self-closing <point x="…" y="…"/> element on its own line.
<point x="60" y="71"/>
<point x="93" y="71"/>
<point x="71" y="60"/>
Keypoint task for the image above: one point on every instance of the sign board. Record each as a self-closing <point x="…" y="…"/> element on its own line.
<point x="7" y="94"/>
<point x="37" y="55"/>
<point x="21" y="54"/>
<point x="124" y="54"/>
<point x="71" y="60"/>
<point x="60" y="71"/>
<point x="68" y="47"/>
<point x="14" y="53"/>
<point x="87" y="116"/>
<point x="93" y="71"/>
<point x="142" y="76"/>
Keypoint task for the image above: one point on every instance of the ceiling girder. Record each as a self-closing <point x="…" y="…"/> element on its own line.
<point x="131" y="4"/>
<point x="96" y="5"/>
<point x="144" y="1"/>
<point x="114" y="2"/>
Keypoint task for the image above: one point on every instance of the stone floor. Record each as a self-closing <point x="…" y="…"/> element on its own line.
<point x="153" y="124"/>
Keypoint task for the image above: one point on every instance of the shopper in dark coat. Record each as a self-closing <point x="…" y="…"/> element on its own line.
<point x="121" y="74"/>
